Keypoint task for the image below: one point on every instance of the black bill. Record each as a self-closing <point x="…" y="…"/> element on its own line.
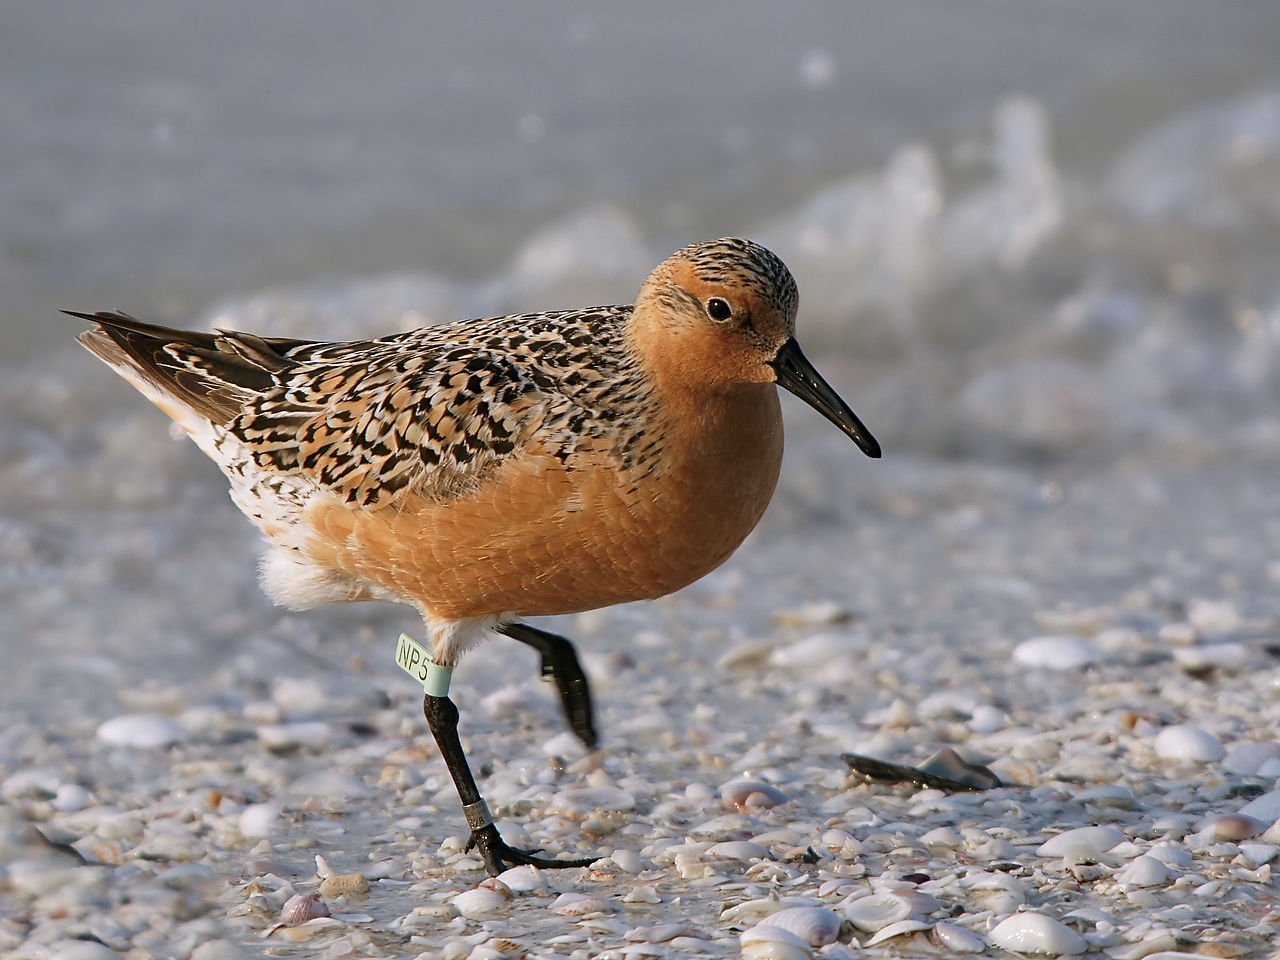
<point x="797" y="374"/>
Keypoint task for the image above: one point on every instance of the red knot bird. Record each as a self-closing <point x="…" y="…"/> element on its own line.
<point x="486" y="471"/>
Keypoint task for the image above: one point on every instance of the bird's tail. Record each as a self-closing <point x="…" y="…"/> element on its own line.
<point x="198" y="379"/>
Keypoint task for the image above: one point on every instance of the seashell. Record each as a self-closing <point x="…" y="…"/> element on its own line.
<point x="749" y="911"/>
<point x="302" y="907"/>
<point x="1261" y="875"/>
<point x="1173" y="854"/>
<point x="499" y="948"/>
<point x="490" y="898"/>
<point x="1155" y="943"/>
<point x="1145" y="871"/>
<point x="957" y="939"/>
<point x="747" y="795"/>
<point x="1247" y="758"/>
<point x="1258" y="853"/>
<point x="1080" y="842"/>
<point x="945" y="770"/>
<point x="660" y="933"/>
<point x="1188" y="744"/>
<point x="1036" y="933"/>
<point x="579" y="802"/>
<point x="642" y="893"/>
<point x="1086" y="872"/>
<point x="523" y="879"/>
<point x="987" y="719"/>
<point x="949" y="764"/>
<point x="1107" y="795"/>
<point x="71" y="797"/>
<point x="344" y="885"/>
<point x="628" y="861"/>
<point x="1265" y="808"/>
<point x="738" y="850"/>
<point x="877" y="911"/>
<point x="763" y="942"/>
<point x="941" y="837"/>
<point x="144" y="731"/>
<point x="1214" y="616"/>
<point x="259" y="819"/>
<point x="1234" y="826"/>
<point x="816" y="926"/>
<point x="578" y="906"/>
<point x="899" y="928"/>
<point x="1056" y="653"/>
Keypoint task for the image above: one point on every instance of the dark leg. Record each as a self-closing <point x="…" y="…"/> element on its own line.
<point x="442" y="717"/>
<point x="560" y="663"/>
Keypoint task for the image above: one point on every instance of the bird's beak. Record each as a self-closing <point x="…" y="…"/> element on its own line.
<point x="797" y="374"/>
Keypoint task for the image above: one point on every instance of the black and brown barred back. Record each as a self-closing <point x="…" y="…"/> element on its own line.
<point x="436" y="408"/>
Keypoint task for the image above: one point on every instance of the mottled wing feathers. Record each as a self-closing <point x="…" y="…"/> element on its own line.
<point x="433" y="410"/>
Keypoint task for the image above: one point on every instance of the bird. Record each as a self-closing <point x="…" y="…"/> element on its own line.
<point x="487" y="471"/>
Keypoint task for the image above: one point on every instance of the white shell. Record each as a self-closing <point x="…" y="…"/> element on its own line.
<point x="1035" y="933"/>
<point x="957" y="939"/>
<point x="1247" y="758"/>
<point x="259" y="819"/>
<point x="302" y="907"/>
<point x="1145" y="871"/>
<point x="1188" y="744"/>
<point x="582" y="801"/>
<point x="578" y="906"/>
<point x="1265" y="808"/>
<point x="738" y="850"/>
<point x="144" y="731"/>
<point x="751" y="795"/>
<point x="816" y="926"/>
<point x="523" y="879"/>
<point x="877" y="911"/>
<point x="1098" y="840"/>
<point x="1056" y="653"/>
<point x="763" y="942"/>
<point x="489" y="899"/>
<point x="896" y="929"/>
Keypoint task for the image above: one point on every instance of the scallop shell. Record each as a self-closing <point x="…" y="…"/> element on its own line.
<point x="747" y="795"/>
<point x="877" y="911"/>
<point x="344" y="885"/>
<point x="763" y="942"/>
<point x="898" y="928"/>
<point x="816" y="926"/>
<point x="302" y="907"/>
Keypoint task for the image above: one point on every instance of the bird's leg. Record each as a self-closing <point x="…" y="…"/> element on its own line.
<point x="560" y="663"/>
<point x="442" y="717"/>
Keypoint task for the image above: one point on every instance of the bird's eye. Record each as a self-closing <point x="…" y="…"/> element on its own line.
<point x="719" y="309"/>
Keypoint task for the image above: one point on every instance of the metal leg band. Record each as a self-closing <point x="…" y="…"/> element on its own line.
<point x="477" y="814"/>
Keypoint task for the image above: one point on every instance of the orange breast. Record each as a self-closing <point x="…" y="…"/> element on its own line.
<point x="541" y="537"/>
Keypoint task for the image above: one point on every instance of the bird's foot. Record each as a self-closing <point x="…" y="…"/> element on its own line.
<point x="498" y="855"/>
